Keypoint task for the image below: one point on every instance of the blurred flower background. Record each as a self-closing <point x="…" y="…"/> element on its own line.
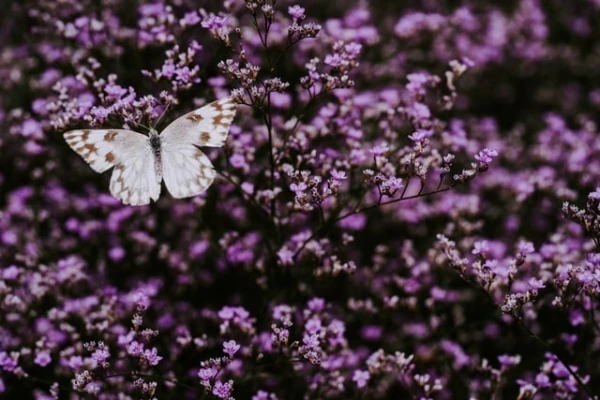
<point x="406" y="206"/>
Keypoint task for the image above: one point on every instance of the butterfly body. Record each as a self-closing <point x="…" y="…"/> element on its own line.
<point x="142" y="162"/>
<point x="156" y="147"/>
<point x="155" y="143"/>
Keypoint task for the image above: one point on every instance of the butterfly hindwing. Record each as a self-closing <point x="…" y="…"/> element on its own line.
<point x="205" y="126"/>
<point x="186" y="171"/>
<point x="134" y="180"/>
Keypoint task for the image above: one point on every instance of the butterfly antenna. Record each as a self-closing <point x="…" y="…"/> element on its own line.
<point x="162" y="115"/>
<point x="141" y="125"/>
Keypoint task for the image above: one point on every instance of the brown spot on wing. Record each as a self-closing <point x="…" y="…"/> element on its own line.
<point x="110" y="136"/>
<point x="86" y="149"/>
<point x="90" y="148"/>
<point x="218" y="121"/>
<point x="195" y="117"/>
<point x="217" y="106"/>
<point x="205" y="136"/>
<point x="85" y="135"/>
<point x="109" y="157"/>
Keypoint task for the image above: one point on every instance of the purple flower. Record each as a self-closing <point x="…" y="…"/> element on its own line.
<point x="281" y="100"/>
<point x="542" y="380"/>
<point x="481" y="247"/>
<point x="421" y="135"/>
<point x="595" y="195"/>
<point x="141" y="300"/>
<point x="101" y="354"/>
<point x="361" y="378"/>
<point x="285" y="256"/>
<point x="311" y="340"/>
<point x="507" y="361"/>
<point x="135" y="348"/>
<point x="152" y="356"/>
<point x="334" y="60"/>
<point x="223" y="390"/>
<point x="296" y="12"/>
<point x="354" y="222"/>
<point x="313" y="325"/>
<point x="230" y="348"/>
<point x="75" y="362"/>
<point x="227" y="313"/>
<point x="31" y="129"/>
<point x="116" y="254"/>
<point x="190" y="18"/>
<point x="262" y="395"/>
<point x="8" y="362"/>
<point x="214" y="22"/>
<point x="207" y="374"/>
<point x="298" y="188"/>
<point x="420" y="111"/>
<point x="237" y="160"/>
<point x="11" y="273"/>
<point x="536" y="283"/>
<point x="42" y="358"/>
<point x="379" y="150"/>
<point x="525" y="247"/>
<point x="316" y="304"/>
<point x="353" y="49"/>
<point x="338" y="175"/>
<point x="486" y="156"/>
<point x="115" y="91"/>
<point x="9" y="238"/>
<point x="576" y="318"/>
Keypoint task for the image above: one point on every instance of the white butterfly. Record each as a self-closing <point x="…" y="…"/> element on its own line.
<point x="141" y="162"/>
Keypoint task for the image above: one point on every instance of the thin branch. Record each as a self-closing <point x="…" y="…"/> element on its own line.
<point x="546" y="346"/>
<point x="333" y="220"/>
<point x="134" y="374"/>
<point x="533" y="335"/>
<point x="385" y="203"/>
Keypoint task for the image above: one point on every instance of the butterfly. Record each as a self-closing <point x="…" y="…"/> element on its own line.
<point x="141" y="162"/>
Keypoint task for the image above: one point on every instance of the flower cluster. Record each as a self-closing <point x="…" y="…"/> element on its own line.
<point x="399" y="209"/>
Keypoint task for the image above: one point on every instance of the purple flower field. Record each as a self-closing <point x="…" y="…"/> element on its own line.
<point x="407" y="205"/>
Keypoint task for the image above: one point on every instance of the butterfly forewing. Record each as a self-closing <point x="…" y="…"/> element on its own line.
<point x="134" y="180"/>
<point x="206" y="126"/>
<point x="102" y="148"/>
